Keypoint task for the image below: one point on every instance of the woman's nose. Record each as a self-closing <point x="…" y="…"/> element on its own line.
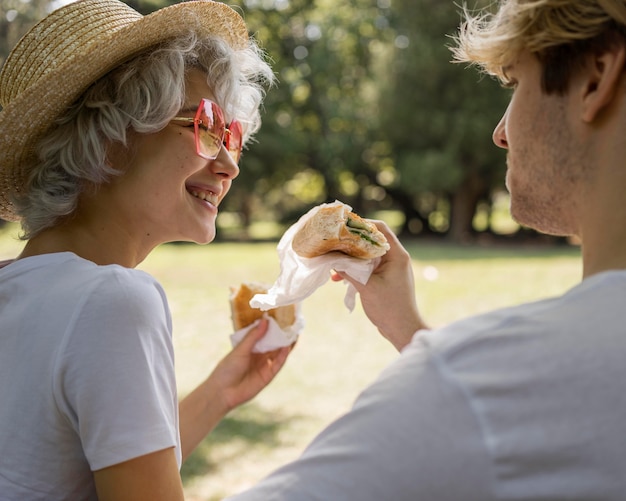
<point x="225" y="165"/>
<point x="499" y="133"/>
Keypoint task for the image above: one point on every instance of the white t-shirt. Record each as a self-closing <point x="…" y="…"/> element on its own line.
<point x="525" y="403"/>
<point x="86" y="374"/>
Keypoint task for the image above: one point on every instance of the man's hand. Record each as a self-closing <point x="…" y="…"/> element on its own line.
<point x="388" y="298"/>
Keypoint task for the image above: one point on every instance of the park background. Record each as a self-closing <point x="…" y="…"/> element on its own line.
<point x="368" y="110"/>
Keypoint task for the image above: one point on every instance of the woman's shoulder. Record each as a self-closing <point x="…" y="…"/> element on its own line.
<point x="72" y="280"/>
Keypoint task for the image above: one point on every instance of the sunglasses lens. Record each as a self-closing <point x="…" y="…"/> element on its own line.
<point x="210" y="128"/>
<point x="233" y="140"/>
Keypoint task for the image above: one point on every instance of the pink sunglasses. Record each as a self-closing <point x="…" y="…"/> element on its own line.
<point x="212" y="132"/>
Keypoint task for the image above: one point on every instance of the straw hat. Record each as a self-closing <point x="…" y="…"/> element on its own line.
<point x="55" y="62"/>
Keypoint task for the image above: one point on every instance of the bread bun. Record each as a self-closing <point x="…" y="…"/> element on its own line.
<point x="243" y="314"/>
<point x="335" y="228"/>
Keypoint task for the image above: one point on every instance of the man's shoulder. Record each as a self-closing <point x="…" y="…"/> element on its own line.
<point x="562" y="317"/>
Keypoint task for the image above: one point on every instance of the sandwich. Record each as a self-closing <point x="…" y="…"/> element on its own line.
<point x="243" y="314"/>
<point x="334" y="228"/>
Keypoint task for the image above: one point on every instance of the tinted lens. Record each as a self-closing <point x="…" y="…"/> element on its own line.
<point x="233" y="140"/>
<point x="210" y="127"/>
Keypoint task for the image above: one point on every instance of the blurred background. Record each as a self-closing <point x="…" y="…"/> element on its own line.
<point x="368" y="110"/>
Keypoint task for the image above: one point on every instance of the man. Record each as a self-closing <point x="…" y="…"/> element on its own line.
<point x="524" y="403"/>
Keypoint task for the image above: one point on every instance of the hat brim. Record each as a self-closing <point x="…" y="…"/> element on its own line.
<point x="27" y="117"/>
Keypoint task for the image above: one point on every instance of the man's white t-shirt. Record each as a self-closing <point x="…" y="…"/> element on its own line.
<point x="86" y="374"/>
<point x="525" y="403"/>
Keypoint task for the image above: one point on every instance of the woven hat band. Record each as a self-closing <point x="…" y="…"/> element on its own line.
<point x="42" y="49"/>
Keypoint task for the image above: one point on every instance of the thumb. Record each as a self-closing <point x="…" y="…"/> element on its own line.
<point x="254" y="335"/>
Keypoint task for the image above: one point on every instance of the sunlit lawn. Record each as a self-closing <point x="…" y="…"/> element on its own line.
<point x="338" y="353"/>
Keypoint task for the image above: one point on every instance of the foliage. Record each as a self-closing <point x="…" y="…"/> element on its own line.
<point x="321" y="117"/>
<point x="438" y="119"/>
<point x="368" y="109"/>
<point x="369" y="100"/>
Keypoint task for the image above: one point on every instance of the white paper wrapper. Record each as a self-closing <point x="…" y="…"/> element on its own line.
<point x="275" y="337"/>
<point x="300" y="277"/>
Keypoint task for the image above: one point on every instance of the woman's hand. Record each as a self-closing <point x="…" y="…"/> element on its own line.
<point x="388" y="298"/>
<point x="238" y="377"/>
<point x="242" y="374"/>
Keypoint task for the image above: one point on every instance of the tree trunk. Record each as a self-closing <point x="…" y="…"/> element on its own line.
<point x="463" y="203"/>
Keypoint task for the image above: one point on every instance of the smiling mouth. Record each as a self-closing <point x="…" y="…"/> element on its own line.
<point x="212" y="198"/>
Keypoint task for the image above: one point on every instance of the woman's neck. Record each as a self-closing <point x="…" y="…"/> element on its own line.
<point x="101" y="246"/>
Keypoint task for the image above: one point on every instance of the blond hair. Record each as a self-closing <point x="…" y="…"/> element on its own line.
<point x="556" y="31"/>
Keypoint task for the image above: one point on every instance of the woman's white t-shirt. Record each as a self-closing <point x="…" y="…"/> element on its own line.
<point x="86" y="374"/>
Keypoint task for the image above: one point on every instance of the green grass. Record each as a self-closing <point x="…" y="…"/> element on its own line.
<point x="339" y="352"/>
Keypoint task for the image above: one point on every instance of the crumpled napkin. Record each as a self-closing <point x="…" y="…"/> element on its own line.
<point x="275" y="337"/>
<point x="300" y="276"/>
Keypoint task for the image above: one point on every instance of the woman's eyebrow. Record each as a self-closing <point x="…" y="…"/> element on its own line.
<point x="188" y="109"/>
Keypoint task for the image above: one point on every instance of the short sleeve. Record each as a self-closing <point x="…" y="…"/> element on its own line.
<point x="411" y="435"/>
<point x="115" y="377"/>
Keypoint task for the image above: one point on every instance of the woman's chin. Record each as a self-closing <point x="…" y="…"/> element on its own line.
<point x="206" y="239"/>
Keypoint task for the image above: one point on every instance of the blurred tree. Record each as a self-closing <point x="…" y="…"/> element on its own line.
<point x="321" y="117"/>
<point x="368" y="109"/>
<point x="438" y="119"/>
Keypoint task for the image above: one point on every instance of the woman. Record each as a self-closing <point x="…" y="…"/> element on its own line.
<point x="118" y="133"/>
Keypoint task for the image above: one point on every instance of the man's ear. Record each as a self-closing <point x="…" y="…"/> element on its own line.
<point x="602" y="80"/>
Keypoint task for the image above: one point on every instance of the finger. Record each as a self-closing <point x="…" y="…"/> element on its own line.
<point x="384" y="228"/>
<point x="278" y="353"/>
<point x="336" y="276"/>
<point x="276" y="363"/>
<point x="391" y="237"/>
<point x="280" y="360"/>
<point x="254" y="335"/>
<point x="272" y="354"/>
